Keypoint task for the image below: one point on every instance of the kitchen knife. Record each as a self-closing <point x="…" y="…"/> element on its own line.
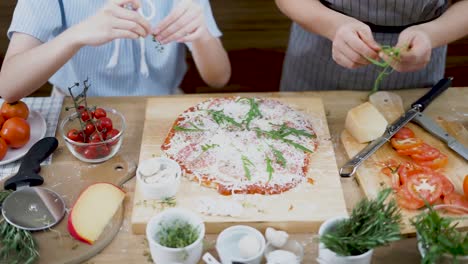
<point x="434" y="128"/>
<point x="350" y="167"/>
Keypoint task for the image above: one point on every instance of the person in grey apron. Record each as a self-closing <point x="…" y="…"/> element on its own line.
<point x="313" y="63"/>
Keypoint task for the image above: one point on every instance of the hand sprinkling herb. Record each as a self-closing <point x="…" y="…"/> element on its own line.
<point x="177" y="234"/>
<point x="394" y="54"/>
<point x="193" y="128"/>
<point x="246" y="163"/>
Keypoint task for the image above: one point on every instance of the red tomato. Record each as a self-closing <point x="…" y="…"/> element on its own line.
<point x="435" y="164"/>
<point x="15" y="131"/>
<point x="89" y="128"/>
<point x="465" y="186"/>
<point x="96" y="151"/>
<point x="425" y="187"/>
<point x="458" y="200"/>
<point x="96" y="137"/>
<point x="2" y="120"/>
<point x="75" y="135"/>
<point x="405" y="200"/>
<point x="106" y="123"/>
<point x="99" y="112"/>
<point x="16" y="109"/>
<point x="410" y="151"/>
<point x="407" y="169"/>
<point x="406" y="143"/>
<point x="447" y="186"/>
<point x="90" y="152"/>
<point x="427" y="153"/>
<point x="3" y="148"/>
<point x="85" y="116"/>
<point x="404" y="133"/>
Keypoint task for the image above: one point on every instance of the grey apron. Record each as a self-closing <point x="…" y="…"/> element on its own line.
<point x="309" y="64"/>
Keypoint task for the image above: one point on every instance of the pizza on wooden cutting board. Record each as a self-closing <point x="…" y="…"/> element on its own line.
<point x="243" y="145"/>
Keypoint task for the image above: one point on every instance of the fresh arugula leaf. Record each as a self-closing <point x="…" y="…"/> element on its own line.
<point x="193" y="128"/>
<point x="220" y="118"/>
<point x="246" y="163"/>
<point x="209" y="146"/>
<point x="254" y="111"/>
<point x="279" y="157"/>
<point x="269" y="168"/>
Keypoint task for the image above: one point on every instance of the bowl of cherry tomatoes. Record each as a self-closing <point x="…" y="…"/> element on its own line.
<point x="93" y="135"/>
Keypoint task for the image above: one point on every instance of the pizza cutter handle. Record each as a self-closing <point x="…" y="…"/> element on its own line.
<point x="31" y="164"/>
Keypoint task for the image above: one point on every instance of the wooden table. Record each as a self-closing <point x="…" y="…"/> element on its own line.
<point x="129" y="248"/>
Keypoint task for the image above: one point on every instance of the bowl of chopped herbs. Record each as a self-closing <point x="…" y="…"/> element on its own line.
<point x="176" y="236"/>
<point x="439" y="240"/>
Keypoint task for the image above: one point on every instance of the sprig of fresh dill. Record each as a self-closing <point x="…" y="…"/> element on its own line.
<point x="246" y="163"/>
<point x="193" y="128"/>
<point x="177" y="234"/>
<point x="439" y="236"/>
<point x="372" y="223"/>
<point x="386" y="68"/>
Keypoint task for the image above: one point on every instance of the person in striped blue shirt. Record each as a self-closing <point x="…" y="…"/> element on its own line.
<point x="331" y="40"/>
<point x="124" y="47"/>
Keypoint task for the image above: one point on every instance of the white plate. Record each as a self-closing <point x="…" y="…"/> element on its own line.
<point x="38" y="130"/>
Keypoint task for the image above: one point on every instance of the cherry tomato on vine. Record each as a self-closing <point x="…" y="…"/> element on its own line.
<point x="95" y="137"/>
<point x="85" y="116"/>
<point x="16" y="132"/>
<point x="99" y="112"/>
<point x="3" y="148"/>
<point x="16" y="109"/>
<point x="106" y="123"/>
<point x="89" y="128"/>
<point x="75" y="135"/>
<point x="404" y="133"/>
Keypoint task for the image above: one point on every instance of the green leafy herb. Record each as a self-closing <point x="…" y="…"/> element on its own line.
<point x="177" y="234"/>
<point x="206" y="147"/>
<point x="279" y="157"/>
<point x="193" y="128"/>
<point x="439" y="236"/>
<point x="254" y="111"/>
<point x="283" y="132"/>
<point x="269" y="168"/>
<point x="372" y="223"/>
<point x="246" y="163"/>
<point x="394" y="54"/>
<point x="220" y="118"/>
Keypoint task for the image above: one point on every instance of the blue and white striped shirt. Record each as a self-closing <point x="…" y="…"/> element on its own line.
<point x="42" y="19"/>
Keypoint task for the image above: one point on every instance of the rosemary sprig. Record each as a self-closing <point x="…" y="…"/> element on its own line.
<point x="394" y="53"/>
<point x="177" y="234"/>
<point x="279" y="157"/>
<point x="439" y="236"/>
<point x="246" y="163"/>
<point x="206" y="147"/>
<point x="372" y="223"/>
<point x="269" y="168"/>
<point x="193" y="128"/>
<point x="254" y="111"/>
<point x="220" y="118"/>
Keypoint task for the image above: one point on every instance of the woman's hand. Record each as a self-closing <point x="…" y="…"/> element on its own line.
<point x="186" y="23"/>
<point x="352" y="44"/>
<point x="112" y="21"/>
<point x="415" y="46"/>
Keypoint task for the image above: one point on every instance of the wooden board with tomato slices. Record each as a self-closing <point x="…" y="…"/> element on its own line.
<point x="419" y="167"/>
<point x="301" y="209"/>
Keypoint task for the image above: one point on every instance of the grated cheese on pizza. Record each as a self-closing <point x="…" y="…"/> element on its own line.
<point x="243" y="145"/>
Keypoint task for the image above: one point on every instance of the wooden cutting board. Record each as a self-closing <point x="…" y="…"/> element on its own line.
<point x="302" y="209"/>
<point x="56" y="246"/>
<point x="368" y="174"/>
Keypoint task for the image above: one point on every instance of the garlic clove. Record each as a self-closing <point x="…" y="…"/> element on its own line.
<point x="276" y="238"/>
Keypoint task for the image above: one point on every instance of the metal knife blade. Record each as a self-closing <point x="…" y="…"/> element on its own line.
<point x="434" y="128"/>
<point x="419" y="105"/>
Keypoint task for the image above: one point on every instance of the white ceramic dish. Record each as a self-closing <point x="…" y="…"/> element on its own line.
<point x="38" y="128"/>
<point x="227" y="244"/>
<point x="166" y="187"/>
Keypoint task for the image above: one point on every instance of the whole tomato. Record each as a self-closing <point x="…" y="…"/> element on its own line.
<point x="85" y="115"/>
<point x="75" y="135"/>
<point x="16" y="132"/>
<point x="3" y="148"/>
<point x="96" y="151"/>
<point x="95" y="137"/>
<point x="111" y="134"/>
<point x="16" y="109"/>
<point x="89" y="128"/>
<point x="105" y="123"/>
<point x="99" y="112"/>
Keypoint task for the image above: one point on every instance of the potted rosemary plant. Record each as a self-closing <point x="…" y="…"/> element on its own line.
<point x="438" y="239"/>
<point x="372" y="223"/>
<point x="176" y="236"/>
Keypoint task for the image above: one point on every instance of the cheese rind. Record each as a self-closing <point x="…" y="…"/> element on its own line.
<point x="365" y="123"/>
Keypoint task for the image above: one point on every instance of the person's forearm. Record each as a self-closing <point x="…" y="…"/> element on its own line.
<point x="452" y="25"/>
<point x="313" y="16"/>
<point x="212" y="61"/>
<point x="25" y="72"/>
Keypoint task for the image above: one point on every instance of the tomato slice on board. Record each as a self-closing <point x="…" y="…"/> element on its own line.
<point x="465" y="186"/>
<point x="410" y="151"/>
<point x="436" y="163"/>
<point x="458" y="200"/>
<point x="405" y="200"/>
<point x="427" y="152"/>
<point x="407" y="169"/>
<point x="404" y="133"/>
<point x="447" y="186"/>
<point x="406" y="143"/>
<point x="425" y="187"/>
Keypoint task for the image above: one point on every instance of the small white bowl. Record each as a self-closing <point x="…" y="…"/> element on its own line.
<point x="227" y="244"/>
<point x="188" y="255"/>
<point x="163" y="189"/>
<point x="292" y="246"/>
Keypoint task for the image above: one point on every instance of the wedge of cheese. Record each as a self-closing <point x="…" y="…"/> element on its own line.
<point x="365" y="123"/>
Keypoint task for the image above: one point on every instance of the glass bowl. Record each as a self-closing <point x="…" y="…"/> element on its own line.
<point x="94" y="152"/>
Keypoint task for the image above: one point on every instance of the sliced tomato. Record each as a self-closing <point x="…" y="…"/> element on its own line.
<point x="410" y="151"/>
<point x="404" y="133"/>
<point x="407" y="169"/>
<point x="405" y="200"/>
<point x="436" y="163"/>
<point x="406" y="143"/>
<point x="427" y="152"/>
<point x="458" y="200"/>
<point x="465" y="186"/>
<point x="447" y="186"/>
<point x="424" y="186"/>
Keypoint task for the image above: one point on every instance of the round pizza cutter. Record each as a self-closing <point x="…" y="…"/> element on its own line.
<point x="28" y="207"/>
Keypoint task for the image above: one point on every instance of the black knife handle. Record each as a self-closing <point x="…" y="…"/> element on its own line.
<point x="435" y="91"/>
<point x="31" y="164"/>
